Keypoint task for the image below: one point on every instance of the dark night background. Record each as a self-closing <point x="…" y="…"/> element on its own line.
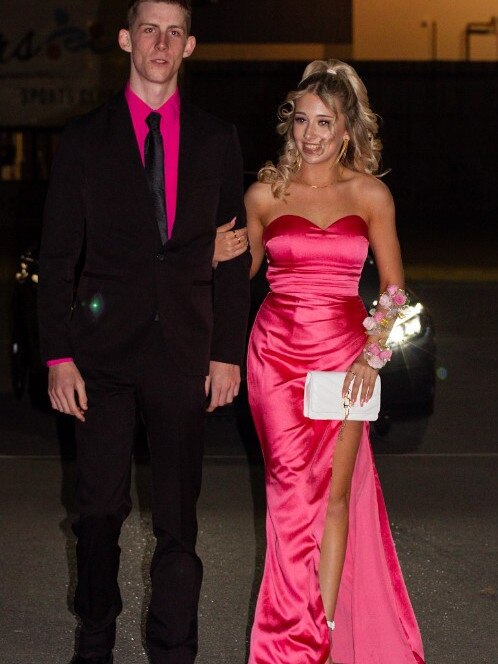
<point x="439" y="130"/>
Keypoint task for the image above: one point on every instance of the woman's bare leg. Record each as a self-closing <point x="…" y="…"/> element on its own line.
<point x="335" y="534"/>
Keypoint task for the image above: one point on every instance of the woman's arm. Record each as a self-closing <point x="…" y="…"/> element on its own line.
<point x="380" y="214"/>
<point x="256" y="207"/>
<point x="383" y="237"/>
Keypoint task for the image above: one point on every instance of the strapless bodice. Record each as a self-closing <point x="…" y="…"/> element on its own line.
<point x="306" y="260"/>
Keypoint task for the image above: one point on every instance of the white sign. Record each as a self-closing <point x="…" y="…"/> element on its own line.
<point x="58" y="59"/>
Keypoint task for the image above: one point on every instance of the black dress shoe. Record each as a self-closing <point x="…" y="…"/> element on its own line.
<point x="106" y="659"/>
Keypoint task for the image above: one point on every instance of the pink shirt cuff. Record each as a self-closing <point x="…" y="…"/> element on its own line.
<point x="52" y="363"/>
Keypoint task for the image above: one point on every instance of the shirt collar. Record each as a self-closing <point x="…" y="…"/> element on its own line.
<point x="169" y="111"/>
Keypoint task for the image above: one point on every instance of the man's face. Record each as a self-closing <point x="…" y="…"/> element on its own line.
<point x="158" y="42"/>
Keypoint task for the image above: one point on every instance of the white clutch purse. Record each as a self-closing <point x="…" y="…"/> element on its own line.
<point x="323" y="398"/>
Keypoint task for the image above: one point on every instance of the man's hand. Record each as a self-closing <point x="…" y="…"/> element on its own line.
<point x="223" y="382"/>
<point x="64" y="383"/>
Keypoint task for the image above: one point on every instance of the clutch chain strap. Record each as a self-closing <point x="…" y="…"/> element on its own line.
<point x="347" y="403"/>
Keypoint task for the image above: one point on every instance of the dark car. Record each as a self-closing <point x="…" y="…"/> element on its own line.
<point x="408" y="380"/>
<point x="27" y="372"/>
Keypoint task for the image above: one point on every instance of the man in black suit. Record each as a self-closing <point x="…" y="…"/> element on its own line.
<point x="138" y="189"/>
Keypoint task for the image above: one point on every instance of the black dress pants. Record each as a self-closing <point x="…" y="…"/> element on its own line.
<point x="173" y="408"/>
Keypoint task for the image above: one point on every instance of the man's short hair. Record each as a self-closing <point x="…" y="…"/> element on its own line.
<point x="186" y="5"/>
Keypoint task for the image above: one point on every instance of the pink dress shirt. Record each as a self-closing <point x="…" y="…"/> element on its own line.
<point x="170" y="130"/>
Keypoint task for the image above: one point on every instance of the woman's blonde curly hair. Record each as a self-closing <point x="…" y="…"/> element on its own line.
<point x="330" y="80"/>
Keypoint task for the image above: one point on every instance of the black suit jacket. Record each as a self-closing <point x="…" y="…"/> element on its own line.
<point x="99" y="214"/>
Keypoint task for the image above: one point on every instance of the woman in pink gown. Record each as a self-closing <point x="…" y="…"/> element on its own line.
<point x="330" y="558"/>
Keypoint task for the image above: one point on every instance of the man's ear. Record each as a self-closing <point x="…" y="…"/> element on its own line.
<point x="189" y="46"/>
<point x="124" y="40"/>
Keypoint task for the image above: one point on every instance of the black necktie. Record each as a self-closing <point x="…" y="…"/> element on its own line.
<point x="154" y="169"/>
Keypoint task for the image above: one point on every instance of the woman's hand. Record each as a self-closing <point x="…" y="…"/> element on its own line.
<point x="361" y="375"/>
<point x="229" y="243"/>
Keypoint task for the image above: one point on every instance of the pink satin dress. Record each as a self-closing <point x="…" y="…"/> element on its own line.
<point x="312" y="319"/>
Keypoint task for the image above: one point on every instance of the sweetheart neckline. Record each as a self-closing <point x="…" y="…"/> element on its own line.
<point x="311" y="223"/>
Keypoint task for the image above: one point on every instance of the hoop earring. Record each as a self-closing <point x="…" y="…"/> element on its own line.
<point x="344" y="149"/>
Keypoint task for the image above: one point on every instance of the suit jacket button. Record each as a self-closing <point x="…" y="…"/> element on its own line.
<point x="160" y="257"/>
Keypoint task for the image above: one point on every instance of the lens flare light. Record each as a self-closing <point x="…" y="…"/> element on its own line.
<point x="407" y="327"/>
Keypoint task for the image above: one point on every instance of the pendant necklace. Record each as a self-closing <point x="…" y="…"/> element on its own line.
<point x="319" y="186"/>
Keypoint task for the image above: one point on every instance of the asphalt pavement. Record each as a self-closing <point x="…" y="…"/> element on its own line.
<point x="442" y="501"/>
<point x="442" y="512"/>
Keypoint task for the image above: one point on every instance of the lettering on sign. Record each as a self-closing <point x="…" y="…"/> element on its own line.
<point x="64" y="38"/>
<point x="56" y="63"/>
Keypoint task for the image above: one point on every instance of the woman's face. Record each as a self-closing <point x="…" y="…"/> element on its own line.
<point x="318" y="131"/>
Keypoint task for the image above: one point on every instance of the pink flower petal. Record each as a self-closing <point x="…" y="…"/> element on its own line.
<point x="385" y="301"/>
<point x="375" y="362"/>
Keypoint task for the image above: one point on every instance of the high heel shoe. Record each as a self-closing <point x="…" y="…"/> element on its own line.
<point x="331" y="626"/>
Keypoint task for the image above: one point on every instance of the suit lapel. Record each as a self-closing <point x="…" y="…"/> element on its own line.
<point x="134" y="181"/>
<point x="189" y="145"/>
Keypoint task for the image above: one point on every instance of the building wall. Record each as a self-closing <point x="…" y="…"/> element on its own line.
<point x="277" y="21"/>
<point x="273" y="29"/>
<point x="60" y="57"/>
<point x="401" y="29"/>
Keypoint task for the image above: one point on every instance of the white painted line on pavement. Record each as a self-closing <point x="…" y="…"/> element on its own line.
<point x="457" y="455"/>
<point x="243" y="457"/>
<point x="30" y="457"/>
<point x="385" y="454"/>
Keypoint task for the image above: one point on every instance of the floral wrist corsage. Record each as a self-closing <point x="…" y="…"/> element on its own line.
<point x="377" y="356"/>
<point x="391" y="305"/>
